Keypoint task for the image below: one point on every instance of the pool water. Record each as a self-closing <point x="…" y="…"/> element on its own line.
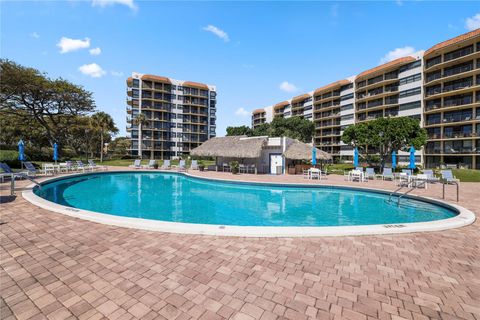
<point x="179" y="198"/>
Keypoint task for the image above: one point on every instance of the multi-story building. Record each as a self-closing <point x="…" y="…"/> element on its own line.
<point x="452" y="101"/>
<point x="440" y="88"/>
<point x="177" y="115"/>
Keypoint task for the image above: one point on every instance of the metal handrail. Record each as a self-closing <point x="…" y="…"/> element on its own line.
<point x="24" y="176"/>
<point x="444" y="182"/>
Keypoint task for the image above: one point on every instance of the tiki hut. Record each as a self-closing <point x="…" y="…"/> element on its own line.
<point x="236" y="147"/>
<point x="301" y="151"/>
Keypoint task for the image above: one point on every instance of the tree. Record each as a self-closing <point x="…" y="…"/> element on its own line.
<point x="294" y="127"/>
<point x="52" y="103"/>
<point x="119" y="147"/>
<point x="261" y="130"/>
<point x="386" y="135"/>
<point x="105" y="125"/>
<point x="239" y="131"/>
<point x="139" y="121"/>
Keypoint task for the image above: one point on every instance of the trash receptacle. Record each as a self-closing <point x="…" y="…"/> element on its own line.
<point x="278" y="170"/>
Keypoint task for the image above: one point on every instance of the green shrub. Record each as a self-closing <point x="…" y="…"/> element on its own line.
<point x="10" y="157"/>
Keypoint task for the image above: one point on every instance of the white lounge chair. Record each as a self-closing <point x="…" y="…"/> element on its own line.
<point x="48" y="169"/>
<point x="165" y="165"/>
<point x="370" y="173"/>
<point x="150" y="164"/>
<point x="82" y="166"/>
<point x="137" y="164"/>
<point x="431" y="177"/>
<point x="94" y="166"/>
<point x="194" y="165"/>
<point x="448" y="176"/>
<point x="388" y="174"/>
<point x="181" y="166"/>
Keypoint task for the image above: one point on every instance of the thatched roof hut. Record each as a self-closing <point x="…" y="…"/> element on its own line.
<point x="298" y="150"/>
<point x="231" y="147"/>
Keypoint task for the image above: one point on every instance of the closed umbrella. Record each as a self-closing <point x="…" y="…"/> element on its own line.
<point x="314" y="156"/>
<point x="355" y="157"/>
<point x="21" y="151"/>
<point x="394" y="159"/>
<point x="55" y="152"/>
<point x="412" y="158"/>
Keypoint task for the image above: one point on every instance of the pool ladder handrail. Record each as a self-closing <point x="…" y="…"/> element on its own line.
<point x="402" y="194"/>
<point x="24" y="176"/>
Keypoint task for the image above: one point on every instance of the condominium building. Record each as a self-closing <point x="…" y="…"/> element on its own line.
<point x="440" y="88"/>
<point x="177" y="115"/>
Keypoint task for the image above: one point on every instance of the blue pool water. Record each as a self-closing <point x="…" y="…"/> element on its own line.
<point x="178" y="198"/>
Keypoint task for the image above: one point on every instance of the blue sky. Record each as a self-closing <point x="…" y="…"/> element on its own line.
<point x="256" y="53"/>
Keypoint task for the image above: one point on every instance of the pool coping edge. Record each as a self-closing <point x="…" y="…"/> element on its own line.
<point x="464" y="217"/>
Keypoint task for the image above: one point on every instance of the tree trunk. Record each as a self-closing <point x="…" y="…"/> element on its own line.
<point x="101" y="146"/>
<point x="140" y="140"/>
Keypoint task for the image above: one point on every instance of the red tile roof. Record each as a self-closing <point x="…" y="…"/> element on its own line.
<point x="281" y="105"/>
<point x="258" y="111"/>
<point x="300" y="98"/>
<point x="151" y="77"/>
<point x="331" y="86"/>
<point x="460" y="38"/>
<point x="389" y="65"/>
<point x="197" y="85"/>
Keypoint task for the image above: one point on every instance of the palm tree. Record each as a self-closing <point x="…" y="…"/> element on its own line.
<point x="105" y="124"/>
<point x="139" y="120"/>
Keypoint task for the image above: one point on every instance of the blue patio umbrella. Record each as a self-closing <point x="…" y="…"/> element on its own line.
<point x="55" y="152"/>
<point x="21" y="151"/>
<point x="355" y="157"/>
<point x="412" y="158"/>
<point x="314" y="156"/>
<point x="394" y="159"/>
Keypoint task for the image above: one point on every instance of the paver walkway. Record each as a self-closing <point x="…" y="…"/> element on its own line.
<point x="57" y="267"/>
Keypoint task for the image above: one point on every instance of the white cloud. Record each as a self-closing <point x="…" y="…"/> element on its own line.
<point x="218" y="32"/>
<point x="105" y="3"/>
<point x="93" y="70"/>
<point x="397" y="53"/>
<point x="68" y="45"/>
<point x="473" y="23"/>
<point x="242" y="112"/>
<point x="34" y="35"/>
<point x="95" y="51"/>
<point x="288" y="87"/>
<point x="116" y="73"/>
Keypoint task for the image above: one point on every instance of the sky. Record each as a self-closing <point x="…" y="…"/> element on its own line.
<point x="256" y="53"/>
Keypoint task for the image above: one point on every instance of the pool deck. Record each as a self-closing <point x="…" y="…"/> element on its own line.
<point x="58" y="267"/>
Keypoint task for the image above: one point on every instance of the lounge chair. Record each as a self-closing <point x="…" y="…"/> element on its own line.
<point x="421" y="180"/>
<point x="430" y="176"/>
<point x="137" y="164"/>
<point x="359" y="168"/>
<point x="194" y="165"/>
<point x="448" y="176"/>
<point x="404" y="180"/>
<point x="165" y="165"/>
<point x="370" y="173"/>
<point x="94" y="166"/>
<point x="181" y="166"/>
<point x="150" y="164"/>
<point x="81" y="166"/>
<point x="388" y="174"/>
<point x="32" y="171"/>
<point x="8" y="172"/>
<point x="407" y="171"/>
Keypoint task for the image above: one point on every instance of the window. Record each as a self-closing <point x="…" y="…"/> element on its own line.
<point x="346" y="97"/>
<point x="346" y="107"/>
<point x="173" y="125"/>
<point x="136" y="83"/>
<point x="410" y="105"/>
<point x="174" y="87"/>
<point x="346" y="117"/>
<point x="458" y="53"/>
<point x="409" y="92"/>
<point x="135" y="93"/>
<point x="410" y="66"/>
<point x="346" y="87"/>
<point x="410" y="79"/>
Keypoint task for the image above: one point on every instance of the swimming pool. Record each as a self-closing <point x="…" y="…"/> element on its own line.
<point x="178" y="198"/>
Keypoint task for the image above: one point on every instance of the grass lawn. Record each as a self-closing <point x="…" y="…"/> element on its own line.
<point x="467" y="175"/>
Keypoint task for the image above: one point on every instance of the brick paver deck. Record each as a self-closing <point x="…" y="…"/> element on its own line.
<point x="57" y="267"/>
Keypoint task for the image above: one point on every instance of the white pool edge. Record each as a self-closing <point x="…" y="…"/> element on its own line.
<point x="464" y="218"/>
